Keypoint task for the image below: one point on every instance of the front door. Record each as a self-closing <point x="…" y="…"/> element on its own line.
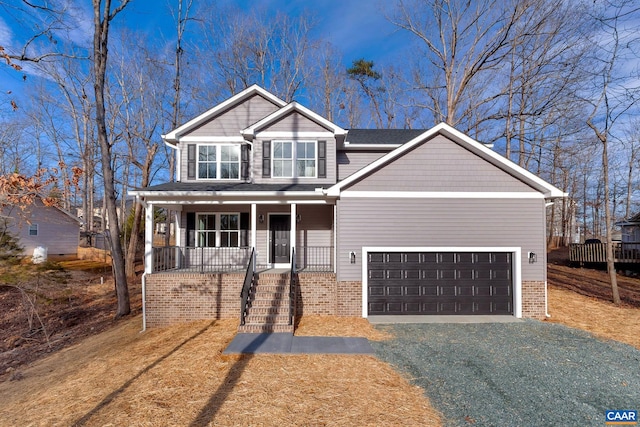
<point x="279" y="232"/>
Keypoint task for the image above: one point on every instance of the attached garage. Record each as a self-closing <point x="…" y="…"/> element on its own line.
<point x="440" y="282"/>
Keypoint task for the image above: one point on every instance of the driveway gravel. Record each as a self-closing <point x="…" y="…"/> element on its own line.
<point x="529" y="373"/>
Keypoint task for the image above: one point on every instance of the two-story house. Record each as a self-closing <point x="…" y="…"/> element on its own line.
<point x="366" y="222"/>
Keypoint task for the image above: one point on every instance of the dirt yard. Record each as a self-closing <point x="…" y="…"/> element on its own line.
<point x="49" y="307"/>
<point x="109" y="373"/>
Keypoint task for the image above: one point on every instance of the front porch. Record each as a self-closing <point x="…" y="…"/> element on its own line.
<point x="185" y="259"/>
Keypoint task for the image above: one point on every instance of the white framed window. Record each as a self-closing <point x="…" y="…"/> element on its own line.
<point x="218" y="161"/>
<point x="33" y="229"/>
<point x="218" y="230"/>
<point x="291" y="159"/>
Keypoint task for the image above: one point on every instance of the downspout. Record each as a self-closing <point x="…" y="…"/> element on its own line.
<point x="144" y="274"/>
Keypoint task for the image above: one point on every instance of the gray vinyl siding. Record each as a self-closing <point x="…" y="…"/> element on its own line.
<point x="232" y="121"/>
<point x="294" y="122"/>
<point x="440" y="165"/>
<point x="57" y="231"/>
<point x="350" y="162"/>
<point x="256" y="165"/>
<point x="441" y="223"/>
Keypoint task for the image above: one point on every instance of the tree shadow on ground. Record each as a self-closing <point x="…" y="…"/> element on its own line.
<point x="114" y="394"/>
<point x="209" y="411"/>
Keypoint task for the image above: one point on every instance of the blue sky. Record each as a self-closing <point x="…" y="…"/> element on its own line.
<point x="358" y="28"/>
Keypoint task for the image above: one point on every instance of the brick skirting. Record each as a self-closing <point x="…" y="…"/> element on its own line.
<point x="174" y="297"/>
<point x="534" y="300"/>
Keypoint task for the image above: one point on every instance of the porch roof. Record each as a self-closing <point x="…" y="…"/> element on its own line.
<point x="178" y="192"/>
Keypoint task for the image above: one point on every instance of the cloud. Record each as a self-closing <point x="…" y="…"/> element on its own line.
<point x="6" y="35"/>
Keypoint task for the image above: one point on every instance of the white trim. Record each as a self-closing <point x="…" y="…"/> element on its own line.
<point x="178" y="165"/>
<point x="253" y="225"/>
<point x="214" y="139"/>
<point x="516" y="265"/>
<point x="177" y="204"/>
<point x="475" y="147"/>
<point x="294" y="134"/>
<point x="293" y="106"/>
<point x="236" y="99"/>
<point x="439" y="195"/>
<point x="148" y="238"/>
<point x="381" y="147"/>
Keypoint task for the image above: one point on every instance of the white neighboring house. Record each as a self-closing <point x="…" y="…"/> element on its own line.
<point x="50" y="227"/>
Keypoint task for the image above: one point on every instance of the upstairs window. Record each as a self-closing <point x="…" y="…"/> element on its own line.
<point x="218" y="161"/>
<point x="33" y="229"/>
<point x="293" y="159"/>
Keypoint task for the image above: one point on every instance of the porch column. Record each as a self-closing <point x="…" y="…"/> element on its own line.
<point x="148" y="238"/>
<point x="253" y="225"/>
<point x="292" y="236"/>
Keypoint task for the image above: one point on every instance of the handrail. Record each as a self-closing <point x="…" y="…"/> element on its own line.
<point x="292" y="289"/>
<point x="246" y="286"/>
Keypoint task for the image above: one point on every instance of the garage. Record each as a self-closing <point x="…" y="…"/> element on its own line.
<point x="439" y="283"/>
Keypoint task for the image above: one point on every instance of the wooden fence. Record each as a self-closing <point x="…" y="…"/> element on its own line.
<point x="597" y="252"/>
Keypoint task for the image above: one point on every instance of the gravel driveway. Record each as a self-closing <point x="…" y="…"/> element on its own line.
<point x="515" y="374"/>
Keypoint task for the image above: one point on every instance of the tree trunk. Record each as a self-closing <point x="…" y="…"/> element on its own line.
<point x="100" y="42"/>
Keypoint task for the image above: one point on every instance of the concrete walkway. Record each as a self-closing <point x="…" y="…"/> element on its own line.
<point x="287" y="343"/>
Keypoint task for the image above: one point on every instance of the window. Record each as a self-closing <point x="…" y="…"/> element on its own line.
<point x="229" y="230"/>
<point x="218" y="230"/>
<point x="219" y="161"/>
<point x="282" y="159"/>
<point x="284" y="153"/>
<point x="33" y="230"/>
<point x="206" y="230"/>
<point x="306" y="159"/>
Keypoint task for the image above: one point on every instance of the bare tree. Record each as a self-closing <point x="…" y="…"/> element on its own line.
<point x="102" y="17"/>
<point x="463" y="43"/>
<point x="613" y="97"/>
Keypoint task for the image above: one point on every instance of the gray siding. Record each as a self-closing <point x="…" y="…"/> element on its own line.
<point x="350" y="162"/>
<point x="57" y="231"/>
<point x="232" y="121"/>
<point x="294" y="122"/>
<point x="441" y="222"/>
<point x="440" y="165"/>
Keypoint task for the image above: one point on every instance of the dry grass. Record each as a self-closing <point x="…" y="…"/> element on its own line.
<point x="177" y="376"/>
<point x="596" y="316"/>
<point x="331" y="326"/>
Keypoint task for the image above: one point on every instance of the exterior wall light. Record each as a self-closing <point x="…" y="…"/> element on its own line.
<point x="261" y="218"/>
<point x="298" y="218"/>
<point x="533" y="258"/>
<point x="352" y="257"/>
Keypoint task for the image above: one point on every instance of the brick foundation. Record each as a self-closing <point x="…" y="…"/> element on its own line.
<point x="534" y="300"/>
<point x="173" y="298"/>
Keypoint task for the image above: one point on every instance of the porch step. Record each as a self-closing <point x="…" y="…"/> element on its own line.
<point x="257" y="329"/>
<point x="268" y="309"/>
<point x="267" y="319"/>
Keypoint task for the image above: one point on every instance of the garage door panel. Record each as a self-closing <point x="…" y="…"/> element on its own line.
<point x="440" y="283"/>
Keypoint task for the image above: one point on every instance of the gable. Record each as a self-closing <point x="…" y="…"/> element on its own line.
<point x="294" y="122"/>
<point x="231" y="121"/>
<point x="441" y="165"/>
